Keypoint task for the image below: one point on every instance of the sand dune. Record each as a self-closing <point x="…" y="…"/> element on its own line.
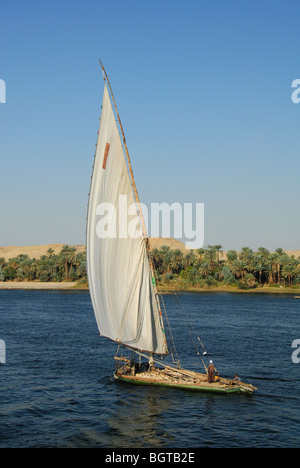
<point x="36" y="251"/>
<point x="36" y="285"/>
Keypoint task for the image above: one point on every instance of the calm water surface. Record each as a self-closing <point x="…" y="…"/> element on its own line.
<point x="57" y="388"/>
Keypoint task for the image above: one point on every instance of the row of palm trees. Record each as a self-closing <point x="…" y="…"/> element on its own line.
<point x="245" y="268"/>
<point x="201" y="267"/>
<point x="68" y="265"/>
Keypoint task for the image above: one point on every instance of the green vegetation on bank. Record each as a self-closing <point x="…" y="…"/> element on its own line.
<point x="206" y="268"/>
<point x="196" y="269"/>
<point x="68" y="265"/>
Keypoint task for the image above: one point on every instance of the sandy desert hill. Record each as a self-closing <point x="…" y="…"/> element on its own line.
<point x="36" y="251"/>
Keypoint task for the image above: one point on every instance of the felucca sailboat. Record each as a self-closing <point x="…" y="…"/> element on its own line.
<point x="120" y="269"/>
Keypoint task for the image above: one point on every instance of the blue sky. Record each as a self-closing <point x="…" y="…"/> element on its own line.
<point x="204" y="94"/>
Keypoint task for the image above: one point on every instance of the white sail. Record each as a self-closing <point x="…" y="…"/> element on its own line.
<point x="119" y="273"/>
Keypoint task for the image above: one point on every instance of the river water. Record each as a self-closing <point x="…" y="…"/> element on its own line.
<point x="57" y="388"/>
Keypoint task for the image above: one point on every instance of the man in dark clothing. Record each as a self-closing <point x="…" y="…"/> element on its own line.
<point x="211" y="372"/>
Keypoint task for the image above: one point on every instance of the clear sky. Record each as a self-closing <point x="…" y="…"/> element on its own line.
<point x="204" y="94"/>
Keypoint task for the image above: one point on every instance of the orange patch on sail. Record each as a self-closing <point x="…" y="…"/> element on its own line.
<point x="105" y="156"/>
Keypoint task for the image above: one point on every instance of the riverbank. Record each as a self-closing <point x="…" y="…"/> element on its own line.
<point x="231" y="289"/>
<point x="59" y="266"/>
<point x="37" y="285"/>
<point x="165" y="289"/>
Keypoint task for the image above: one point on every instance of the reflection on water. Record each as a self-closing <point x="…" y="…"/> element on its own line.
<point x="137" y="420"/>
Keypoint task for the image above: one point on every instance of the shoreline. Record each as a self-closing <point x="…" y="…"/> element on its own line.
<point x="38" y="285"/>
<point x="263" y="290"/>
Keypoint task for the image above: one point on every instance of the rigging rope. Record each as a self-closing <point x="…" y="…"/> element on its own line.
<point x="180" y="307"/>
<point x="173" y="349"/>
<point x="171" y="346"/>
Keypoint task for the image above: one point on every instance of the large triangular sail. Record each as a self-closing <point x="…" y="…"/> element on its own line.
<point x="119" y="273"/>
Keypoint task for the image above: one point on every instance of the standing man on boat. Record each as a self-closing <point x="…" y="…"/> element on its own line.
<point x="211" y="372"/>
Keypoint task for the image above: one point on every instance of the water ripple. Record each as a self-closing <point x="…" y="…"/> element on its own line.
<point x="57" y="388"/>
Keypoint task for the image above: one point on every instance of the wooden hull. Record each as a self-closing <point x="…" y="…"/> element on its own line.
<point x="195" y="382"/>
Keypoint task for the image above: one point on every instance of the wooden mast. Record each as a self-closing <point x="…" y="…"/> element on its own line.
<point x="137" y="199"/>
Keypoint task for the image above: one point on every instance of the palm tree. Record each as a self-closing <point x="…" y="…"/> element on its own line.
<point x="50" y="252"/>
<point x="204" y="269"/>
<point x="211" y="255"/>
<point x="246" y="256"/>
<point x="189" y="259"/>
<point x="231" y="256"/>
<point x="282" y="259"/>
<point x="176" y="260"/>
<point x="166" y="253"/>
<point x="158" y="260"/>
<point x="290" y="269"/>
<point x="69" y="254"/>
<point x="200" y="252"/>
<point x="259" y="265"/>
<point x="218" y="249"/>
<point x="238" y="268"/>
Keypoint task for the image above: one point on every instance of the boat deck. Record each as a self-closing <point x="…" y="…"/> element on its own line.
<point x="183" y="379"/>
